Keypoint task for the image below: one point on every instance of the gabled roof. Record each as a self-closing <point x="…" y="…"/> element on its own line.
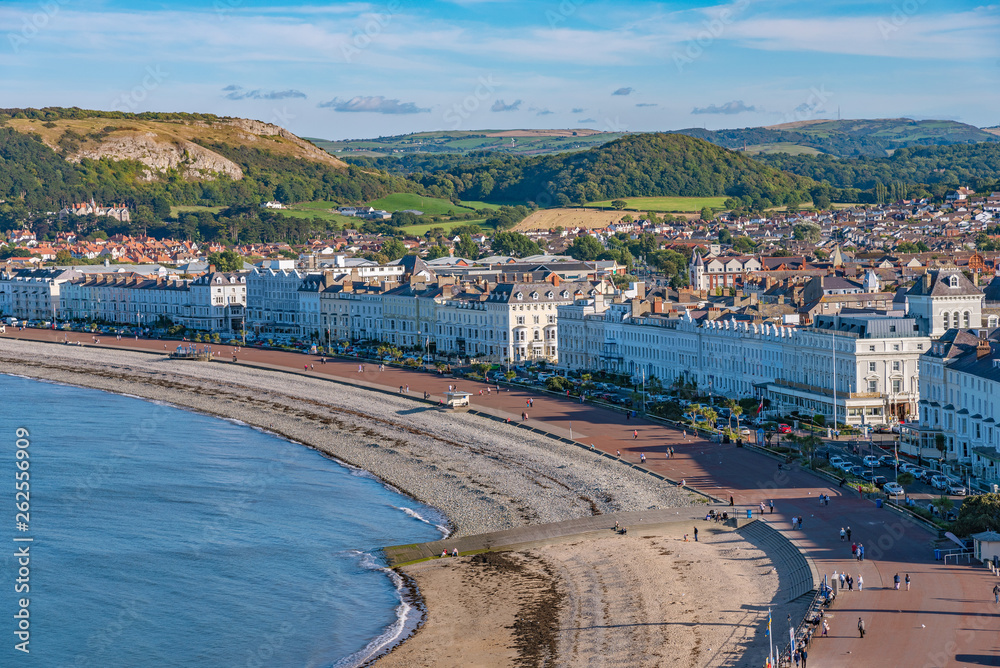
<point x="938" y="283"/>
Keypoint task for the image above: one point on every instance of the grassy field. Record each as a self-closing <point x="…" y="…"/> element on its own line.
<point x="421" y="228"/>
<point x="432" y="206"/>
<point x="548" y="219"/>
<point x="783" y="147"/>
<point x="174" y="210"/>
<point x="666" y="204"/>
<point x="525" y="142"/>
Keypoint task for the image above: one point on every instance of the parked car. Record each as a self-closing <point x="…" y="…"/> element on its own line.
<point x="887" y="460"/>
<point x="870" y="460"/>
<point x="892" y="488"/>
<point x="956" y="488"/>
<point x="784" y="429"/>
<point x="744" y="432"/>
<point x="878" y="480"/>
<point x="907" y="467"/>
<point x="939" y="482"/>
<point x="856" y="471"/>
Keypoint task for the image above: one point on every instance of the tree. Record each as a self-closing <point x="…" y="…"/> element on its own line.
<point x="978" y="513"/>
<point x="434" y="252"/>
<point x="514" y="244"/>
<point x="939" y="443"/>
<point x="585" y="248"/>
<point x="806" y="232"/>
<point x="744" y="244"/>
<point x="466" y="247"/>
<point x="64" y="257"/>
<point x="393" y="249"/>
<point x="226" y="261"/>
<point x="619" y="204"/>
<point x="707" y="213"/>
<point x="725" y="236"/>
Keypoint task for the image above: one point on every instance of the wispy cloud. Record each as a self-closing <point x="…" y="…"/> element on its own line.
<point x="376" y="104"/>
<point x="734" y="107"/>
<point x="624" y="91"/>
<point x="544" y="112"/>
<point x="587" y="120"/>
<point x="647" y="104"/>
<point x="500" y="105"/>
<point x="234" y="92"/>
<point x="579" y="110"/>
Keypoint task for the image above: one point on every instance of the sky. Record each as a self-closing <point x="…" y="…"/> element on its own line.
<point x="342" y="70"/>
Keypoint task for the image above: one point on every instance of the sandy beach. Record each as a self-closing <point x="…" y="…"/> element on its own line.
<point x="648" y="599"/>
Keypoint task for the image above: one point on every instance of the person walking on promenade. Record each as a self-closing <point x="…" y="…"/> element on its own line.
<point x="826" y="629"/>
<point x="805" y="655"/>
<point x="843" y="534"/>
<point x="618" y="453"/>
<point x="895" y="581"/>
<point x="996" y="594"/>
<point x="696" y="534"/>
<point x="861" y="627"/>
<point x="761" y="507"/>
<point x="800" y="522"/>
<point x="642" y="457"/>
<point x="861" y="582"/>
<point x="635" y="434"/>
<point x="854" y="549"/>
<point x="907" y="582"/>
<point x="850" y="583"/>
<point x="848" y="533"/>
<point x="771" y="505"/>
<point x="731" y="500"/>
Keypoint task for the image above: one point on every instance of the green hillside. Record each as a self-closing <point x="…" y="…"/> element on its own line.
<point x="845" y="138"/>
<point x="459" y="142"/>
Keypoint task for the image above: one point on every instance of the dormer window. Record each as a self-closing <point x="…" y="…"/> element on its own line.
<point x="548" y="295"/>
<point x="953" y="281"/>
<point x="534" y="295"/>
<point x="519" y="295"/>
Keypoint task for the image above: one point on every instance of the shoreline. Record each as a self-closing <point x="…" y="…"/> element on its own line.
<point x="480" y="475"/>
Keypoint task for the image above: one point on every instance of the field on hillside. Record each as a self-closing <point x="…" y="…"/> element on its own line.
<point x="518" y="142"/>
<point x="666" y="204"/>
<point x="783" y="147"/>
<point x="321" y="210"/>
<point x="174" y="210"/>
<point x="432" y="206"/>
<point x="548" y="219"/>
<point x="420" y="229"/>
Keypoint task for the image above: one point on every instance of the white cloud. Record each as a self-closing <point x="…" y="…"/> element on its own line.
<point x="734" y="107"/>
<point x="373" y="104"/>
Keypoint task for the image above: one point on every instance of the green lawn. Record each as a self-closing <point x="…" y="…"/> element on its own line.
<point x="668" y="204"/>
<point x="174" y="210"/>
<point x="432" y="206"/>
<point x="421" y="228"/>
<point x="783" y="147"/>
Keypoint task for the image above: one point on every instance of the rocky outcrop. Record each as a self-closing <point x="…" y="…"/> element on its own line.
<point x="255" y="129"/>
<point x="196" y="162"/>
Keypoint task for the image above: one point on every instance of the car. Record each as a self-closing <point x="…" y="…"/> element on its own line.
<point x="835" y="460"/>
<point x="939" y="482"/>
<point x="744" y="432"/>
<point x="956" y="488"/>
<point x="878" y="480"/>
<point x="856" y="471"/>
<point x="907" y="467"/>
<point x="922" y="474"/>
<point x="887" y="460"/>
<point x="846" y="466"/>
<point x="892" y="488"/>
<point x="870" y="460"/>
<point x="784" y="429"/>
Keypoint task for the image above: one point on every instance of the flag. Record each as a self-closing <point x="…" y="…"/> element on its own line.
<point x="760" y="406"/>
<point x="791" y="635"/>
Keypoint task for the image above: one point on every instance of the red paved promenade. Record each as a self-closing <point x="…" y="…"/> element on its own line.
<point x="947" y="619"/>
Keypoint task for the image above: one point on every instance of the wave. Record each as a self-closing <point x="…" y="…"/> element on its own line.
<point x="394" y="632"/>
<point x="445" y="531"/>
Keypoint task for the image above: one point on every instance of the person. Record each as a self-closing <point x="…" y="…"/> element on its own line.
<point x="826" y="628"/>
<point x="618" y="453"/>
<point x="895" y="581"/>
<point x="848" y="533"/>
<point x="683" y="482"/>
<point x="796" y="657"/>
<point x="454" y="551"/>
<point x="795" y="522"/>
<point x="444" y="552"/>
<point x="642" y="457"/>
<point x="800" y="521"/>
<point x="771" y="505"/>
<point x="843" y="580"/>
<point x="850" y="583"/>
<point x="635" y="434"/>
<point x="731" y="500"/>
<point x="843" y="534"/>
<point x="684" y="433"/>
<point x="628" y="416"/>
<point x="861" y="582"/>
<point x="805" y="655"/>
<point x="617" y="526"/>
<point x="861" y="627"/>
<point x="854" y="549"/>
<point x="996" y="594"/>
<point x="696" y="534"/>
<point x="761" y="507"/>
<point x="861" y="552"/>
<point x="907" y="582"/>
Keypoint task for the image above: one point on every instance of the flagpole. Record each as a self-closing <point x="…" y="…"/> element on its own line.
<point x="770" y="636"/>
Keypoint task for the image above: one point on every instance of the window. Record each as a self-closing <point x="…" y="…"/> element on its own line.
<point x="873" y="386"/>
<point x="947" y="323"/>
<point x="953" y="281"/>
<point x="897" y="386"/>
<point x="895" y="347"/>
<point x="895" y="366"/>
<point x="871" y="366"/>
<point x="966" y="320"/>
<point x="871" y="348"/>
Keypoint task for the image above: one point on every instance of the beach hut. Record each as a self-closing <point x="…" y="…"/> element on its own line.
<point x="455" y="398"/>
<point x="986" y="545"/>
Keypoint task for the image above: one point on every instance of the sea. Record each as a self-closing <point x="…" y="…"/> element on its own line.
<point x="155" y="536"/>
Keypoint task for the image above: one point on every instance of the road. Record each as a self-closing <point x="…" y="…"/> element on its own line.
<point x="947" y="619"/>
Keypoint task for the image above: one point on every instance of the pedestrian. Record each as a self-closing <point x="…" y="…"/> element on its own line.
<point x="996" y="594"/>
<point x="642" y="457"/>
<point x="407" y="389"/>
<point x="635" y="434"/>
<point x="628" y="415"/>
<point x="861" y="627"/>
<point x="843" y="534"/>
<point x="618" y="453"/>
<point x="861" y="582"/>
<point x="771" y="505"/>
<point x="826" y="628"/>
<point x="312" y="367"/>
<point x="861" y="552"/>
<point x="683" y="482"/>
<point x="684" y="432"/>
<point x="850" y="583"/>
<point x="796" y="656"/>
<point x="843" y="580"/>
<point x="731" y="501"/>
<point x="305" y="367"/>
<point x="444" y="552"/>
<point x="895" y="581"/>
<point x="854" y="549"/>
<point x="805" y="655"/>
<point x="800" y="521"/>
<point x="696" y="534"/>
<point x="454" y="551"/>
<point x="761" y="507"/>
<point x="848" y="533"/>
<point x="907" y="582"/>
<point x="795" y="522"/>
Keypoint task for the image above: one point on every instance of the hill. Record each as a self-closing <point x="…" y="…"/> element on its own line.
<point x="460" y="142"/>
<point x="844" y="138"/>
<point x="54" y="156"/>
<point x="646" y="165"/>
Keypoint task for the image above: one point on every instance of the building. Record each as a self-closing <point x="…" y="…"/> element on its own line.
<point x="33" y="294"/>
<point x="944" y="299"/>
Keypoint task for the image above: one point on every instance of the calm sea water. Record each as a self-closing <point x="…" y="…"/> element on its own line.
<point x="168" y="538"/>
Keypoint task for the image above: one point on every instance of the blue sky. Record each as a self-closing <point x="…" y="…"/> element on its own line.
<point x="359" y="69"/>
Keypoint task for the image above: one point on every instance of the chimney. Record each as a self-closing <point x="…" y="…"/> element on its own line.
<point x="211" y="268"/>
<point x="657" y="305"/>
<point x="714" y="313"/>
<point x="983" y="349"/>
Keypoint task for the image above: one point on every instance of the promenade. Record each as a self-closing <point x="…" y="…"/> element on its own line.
<point x="948" y="618"/>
